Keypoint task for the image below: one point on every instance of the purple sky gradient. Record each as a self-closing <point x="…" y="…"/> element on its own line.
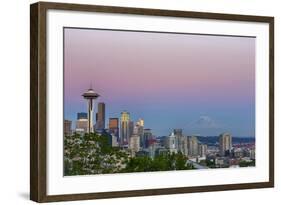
<point x="169" y="80"/>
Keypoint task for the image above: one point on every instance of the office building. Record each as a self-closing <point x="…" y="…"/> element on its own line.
<point x="124" y="128"/>
<point x="140" y="122"/>
<point x="139" y="129"/>
<point x="171" y="143"/>
<point x="203" y="150"/>
<point x="82" y="126"/>
<point x="82" y="115"/>
<point x="193" y="146"/>
<point x="238" y="153"/>
<point x="147" y="134"/>
<point x="113" y="123"/>
<point x="178" y="134"/>
<point x="225" y="144"/>
<point x="183" y="145"/>
<point x="134" y="144"/>
<point x="100" y="124"/>
<point x="131" y="128"/>
<point x="67" y="127"/>
<point x="113" y="127"/>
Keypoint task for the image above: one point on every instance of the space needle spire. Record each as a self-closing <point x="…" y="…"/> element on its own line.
<point x="90" y="95"/>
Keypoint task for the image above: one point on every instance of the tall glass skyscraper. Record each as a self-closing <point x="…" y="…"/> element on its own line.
<point x="101" y="116"/>
<point x="124" y="128"/>
<point x="147" y="135"/>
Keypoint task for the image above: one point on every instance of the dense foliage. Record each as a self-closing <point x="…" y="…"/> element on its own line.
<point x="163" y="162"/>
<point x="208" y="163"/>
<point x="247" y="163"/>
<point x="93" y="154"/>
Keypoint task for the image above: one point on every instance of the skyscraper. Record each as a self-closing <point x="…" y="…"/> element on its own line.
<point x="140" y="122"/>
<point x="67" y="127"/>
<point x="82" y="126"/>
<point x="138" y="129"/>
<point x="131" y="128"/>
<point x="183" y="145"/>
<point x="82" y="115"/>
<point x="134" y="144"/>
<point x="113" y="127"/>
<point x="152" y="147"/>
<point x="193" y="146"/>
<point x="181" y="142"/>
<point x="225" y="144"/>
<point x="179" y="138"/>
<point x="124" y="128"/>
<point x="113" y="123"/>
<point x="90" y="96"/>
<point x="171" y="143"/>
<point x="202" y="150"/>
<point x="100" y="116"/>
<point x="147" y="134"/>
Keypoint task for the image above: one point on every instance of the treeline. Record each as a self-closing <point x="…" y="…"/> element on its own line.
<point x="93" y="154"/>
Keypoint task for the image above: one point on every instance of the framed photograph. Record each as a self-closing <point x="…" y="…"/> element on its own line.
<point x="136" y="102"/>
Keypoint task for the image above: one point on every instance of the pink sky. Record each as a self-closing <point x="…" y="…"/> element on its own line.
<point x="138" y="70"/>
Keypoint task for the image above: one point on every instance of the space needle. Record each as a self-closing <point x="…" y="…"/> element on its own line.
<point x="90" y="96"/>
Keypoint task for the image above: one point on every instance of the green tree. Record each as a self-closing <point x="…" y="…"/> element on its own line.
<point x="138" y="164"/>
<point x="92" y="154"/>
<point x="163" y="162"/>
<point x="180" y="162"/>
<point x="244" y="163"/>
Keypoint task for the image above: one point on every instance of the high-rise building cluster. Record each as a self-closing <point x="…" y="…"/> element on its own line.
<point x="139" y="140"/>
<point x="188" y="145"/>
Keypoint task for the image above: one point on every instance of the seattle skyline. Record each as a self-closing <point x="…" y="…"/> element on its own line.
<point x="202" y="84"/>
